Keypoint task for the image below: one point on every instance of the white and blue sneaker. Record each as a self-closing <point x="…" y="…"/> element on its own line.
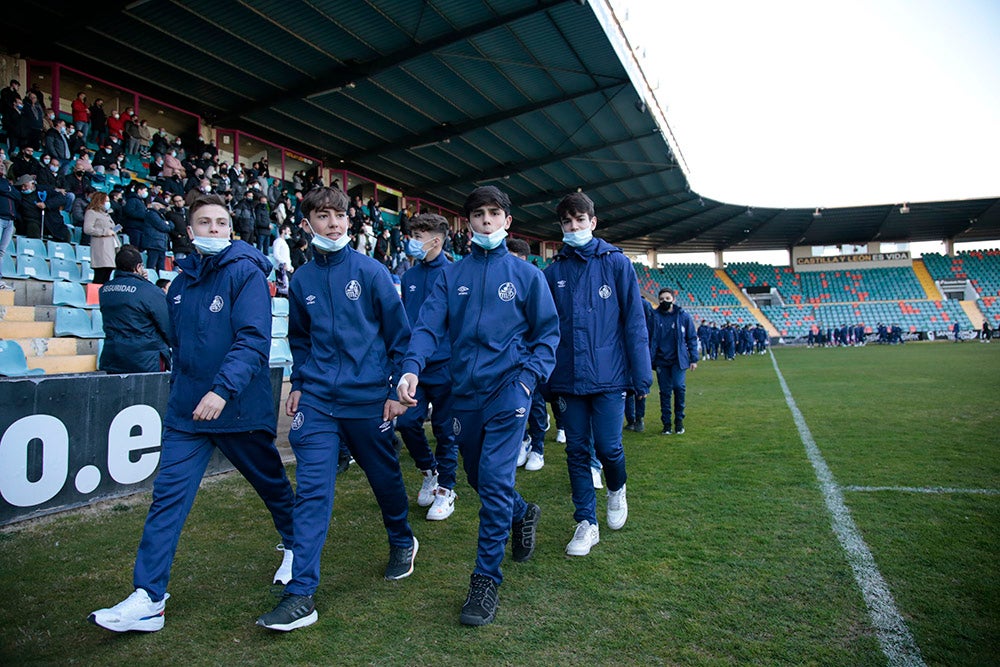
<point x="136" y="612"/>
<point x="425" y="498"/>
<point x="585" y="536"/>
<point x="617" y="508"/>
<point x="522" y="454"/>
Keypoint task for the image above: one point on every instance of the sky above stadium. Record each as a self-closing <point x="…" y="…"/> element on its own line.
<point x="805" y="104"/>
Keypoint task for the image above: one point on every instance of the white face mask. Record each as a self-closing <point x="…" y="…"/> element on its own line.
<point x="328" y="245"/>
<point x="578" y="239"/>
<point x="210" y="245"/>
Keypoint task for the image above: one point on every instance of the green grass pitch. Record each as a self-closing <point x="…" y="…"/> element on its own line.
<point x="728" y="556"/>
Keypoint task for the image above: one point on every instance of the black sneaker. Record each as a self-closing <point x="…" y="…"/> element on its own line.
<point x="630" y="426"/>
<point x="666" y="431"/>
<point x="480" y="606"/>
<point x="294" y="611"/>
<point x="523" y="534"/>
<point x="401" y="561"/>
<point x="640" y="426"/>
<point x="343" y="463"/>
<point x="679" y="428"/>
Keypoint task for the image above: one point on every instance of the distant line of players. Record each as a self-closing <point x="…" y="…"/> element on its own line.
<point x="731" y="339"/>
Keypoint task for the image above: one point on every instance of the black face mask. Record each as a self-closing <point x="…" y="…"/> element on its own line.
<point x="665" y="306"/>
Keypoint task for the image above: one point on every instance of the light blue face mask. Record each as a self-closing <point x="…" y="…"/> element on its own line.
<point x="211" y="245"/>
<point x="489" y="241"/>
<point x="328" y="245"/>
<point x="579" y="238"/>
<point x="415" y="249"/>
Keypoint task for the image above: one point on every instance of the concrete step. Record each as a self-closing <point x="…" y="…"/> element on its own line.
<point x="7" y="297"/>
<point x="40" y="347"/>
<point x="14" y="330"/>
<point x="17" y="313"/>
<point x="76" y="363"/>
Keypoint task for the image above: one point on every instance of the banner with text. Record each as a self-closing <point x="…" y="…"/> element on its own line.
<point x="866" y="260"/>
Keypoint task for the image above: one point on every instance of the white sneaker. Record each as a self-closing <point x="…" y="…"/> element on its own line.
<point x="561" y="437"/>
<point x="595" y="474"/>
<point x="444" y="504"/>
<point x="284" y="572"/>
<point x="426" y="495"/>
<point x="617" y="508"/>
<point x="535" y="461"/>
<point x="136" y="612"/>
<point x="585" y="536"/>
<point x="522" y="455"/>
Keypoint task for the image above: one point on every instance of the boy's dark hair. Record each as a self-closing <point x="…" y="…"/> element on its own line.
<point x="663" y="290"/>
<point x="206" y="200"/>
<point x="319" y="199"/>
<point x="284" y="226"/>
<point x="128" y="258"/>
<point x="518" y="247"/>
<point x="486" y="195"/>
<point x="574" y="203"/>
<point x="429" y="222"/>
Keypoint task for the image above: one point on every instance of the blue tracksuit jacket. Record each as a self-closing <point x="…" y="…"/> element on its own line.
<point x="220" y="317"/>
<point x="416" y="287"/>
<point x="500" y="319"/>
<point x="603" y="344"/>
<point x="348" y="332"/>
<point x="687" y="347"/>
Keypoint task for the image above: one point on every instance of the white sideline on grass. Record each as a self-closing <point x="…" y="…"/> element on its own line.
<point x="924" y="489"/>
<point x="893" y="635"/>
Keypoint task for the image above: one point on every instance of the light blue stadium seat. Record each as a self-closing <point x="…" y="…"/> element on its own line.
<point x="97" y="325"/>
<point x="86" y="272"/>
<point x="70" y="294"/>
<point x="168" y="275"/>
<point x="152" y="276"/>
<point x="83" y="253"/>
<point x="281" y="352"/>
<point x="30" y="246"/>
<point x="34" y="266"/>
<point x="75" y="233"/>
<point x="279" y="327"/>
<point x="61" y="250"/>
<point x="74" y="322"/>
<point x="279" y="307"/>
<point x="65" y="269"/>
<point x="13" y="362"/>
<point x="9" y="269"/>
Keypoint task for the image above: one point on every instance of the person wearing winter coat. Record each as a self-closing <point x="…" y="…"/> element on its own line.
<point x="104" y="241"/>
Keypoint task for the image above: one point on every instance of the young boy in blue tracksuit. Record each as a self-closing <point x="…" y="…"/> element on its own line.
<point x="428" y="233"/>
<point x="348" y="331"/>
<point x="673" y="350"/>
<point x="603" y="353"/>
<point x="499" y="317"/>
<point x="220" y="397"/>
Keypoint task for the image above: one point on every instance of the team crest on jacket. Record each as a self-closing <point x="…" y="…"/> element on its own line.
<point x="217" y="304"/>
<point x="507" y="292"/>
<point x="353" y="290"/>
<point x="562" y="404"/>
<point x="297" y="421"/>
<point x="604" y="292"/>
<point x="456" y="426"/>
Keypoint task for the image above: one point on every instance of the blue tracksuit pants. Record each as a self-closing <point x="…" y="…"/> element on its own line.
<point x="635" y="408"/>
<point x="489" y="439"/>
<point x="315" y="438"/>
<point x="538" y="418"/>
<point x="183" y="459"/>
<point x="600" y="415"/>
<point x="671" y="380"/>
<point x="411" y="427"/>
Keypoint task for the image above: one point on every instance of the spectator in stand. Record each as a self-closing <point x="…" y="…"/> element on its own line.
<point x="37" y="92"/>
<point x="25" y="164"/>
<point x="32" y="116"/>
<point x="104" y="241"/>
<point x="160" y="143"/>
<point x="177" y="216"/>
<point x="49" y="175"/>
<point x="40" y="211"/>
<point x="201" y="188"/>
<point x="281" y="251"/>
<point x="172" y="165"/>
<point x="243" y="217"/>
<point x="78" y="212"/>
<point x="382" y="249"/>
<point x="10" y="202"/>
<point x="155" y="236"/>
<point x="81" y="114"/>
<point x="116" y="125"/>
<point x="262" y="224"/>
<point x="299" y="251"/>
<point x="98" y="122"/>
<point x="10" y="110"/>
<point x="57" y="144"/>
<point x="77" y="143"/>
<point x="156" y="167"/>
<point x="134" y="222"/>
<point x="375" y="214"/>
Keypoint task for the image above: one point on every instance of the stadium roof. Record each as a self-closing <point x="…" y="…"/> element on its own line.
<point x="539" y="97"/>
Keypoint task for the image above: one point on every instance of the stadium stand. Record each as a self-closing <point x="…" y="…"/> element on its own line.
<point x="981" y="268"/>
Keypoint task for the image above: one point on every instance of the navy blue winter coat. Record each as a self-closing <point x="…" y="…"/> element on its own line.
<point x="416" y="287"/>
<point x="348" y="332"/>
<point x="500" y="319"/>
<point x="220" y="315"/>
<point x="136" y="325"/>
<point x="155" y="234"/>
<point x="687" y="343"/>
<point x="603" y="343"/>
